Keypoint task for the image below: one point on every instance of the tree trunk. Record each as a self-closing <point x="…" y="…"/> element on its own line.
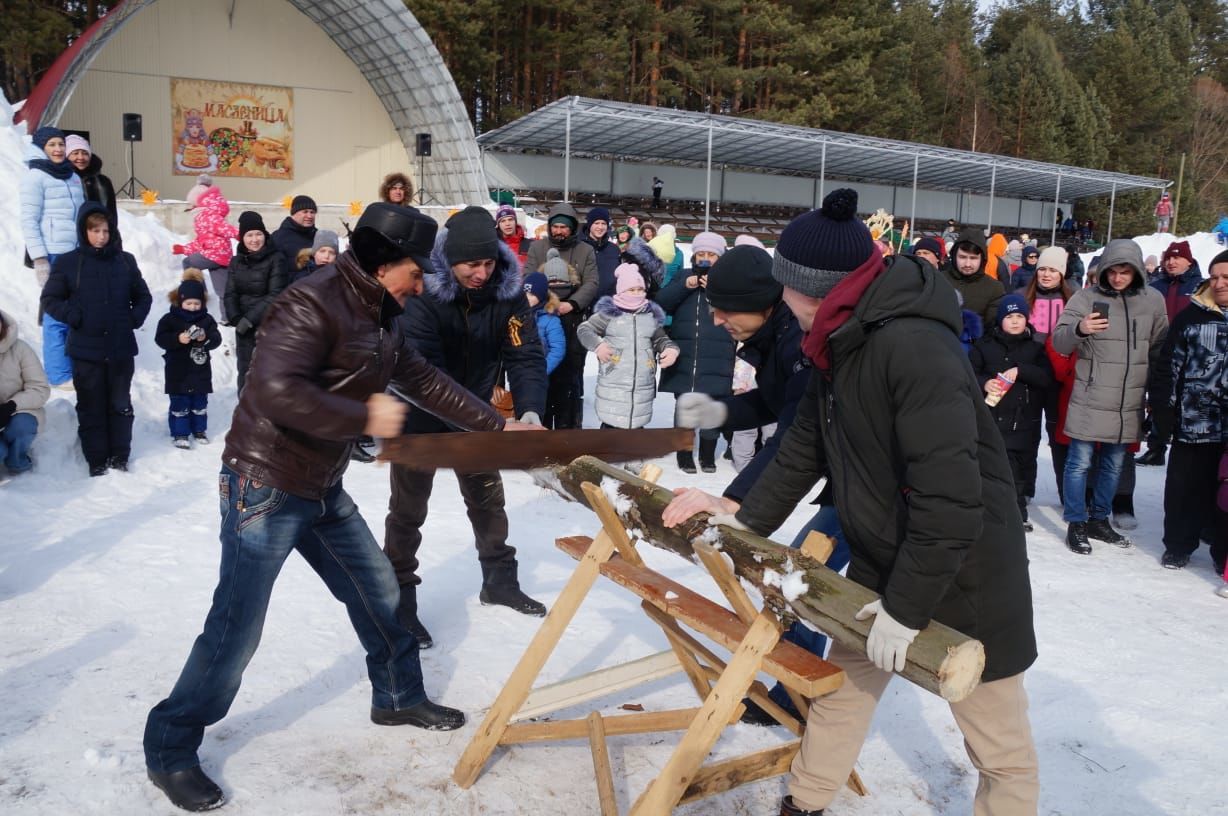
<point x="940" y="660"/>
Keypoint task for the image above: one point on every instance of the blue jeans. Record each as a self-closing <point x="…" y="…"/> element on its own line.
<point x="260" y="526"/>
<point x="1074" y="480"/>
<point x="826" y="521"/>
<point x="189" y="414"/>
<point x="15" y="441"/>
<point x="55" y="338"/>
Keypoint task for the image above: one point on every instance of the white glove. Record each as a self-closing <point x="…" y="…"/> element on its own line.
<point x="695" y="410"/>
<point x="42" y="270"/>
<point x="531" y="418"/>
<point x="729" y="520"/>
<point x="888" y="642"/>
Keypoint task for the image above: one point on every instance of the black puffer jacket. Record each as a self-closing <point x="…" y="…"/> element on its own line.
<point x="291" y="238"/>
<point x="781" y="374"/>
<point x="188" y="369"/>
<point x="608" y="258"/>
<point x="705" y="362"/>
<point x="99" y="188"/>
<point x="100" y="294"/>
<point x="918" y="470"/>
<point x="326" y="346"/>
<point x="255" y="279"/>
<point x="472" y="334"/>
<point x="1018" y="414"/>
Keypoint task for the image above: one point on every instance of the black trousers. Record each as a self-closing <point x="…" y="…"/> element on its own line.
<point x="1023" y="469"/>
<point x="1058" y="452"/>
<point x="104" y="409"/>
<point x="565" y="388"/>
<point x="245" y="344"/>
<point x="411" y="491"/>
<point x="1190" y="488"/>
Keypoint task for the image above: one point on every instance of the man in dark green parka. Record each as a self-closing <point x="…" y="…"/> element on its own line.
<point x="894" y="418"/>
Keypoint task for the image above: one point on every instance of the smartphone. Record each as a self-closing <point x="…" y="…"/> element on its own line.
<point x="1101" y="308"/>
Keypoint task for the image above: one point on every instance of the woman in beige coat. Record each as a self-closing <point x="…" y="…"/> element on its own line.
<point x="23" y="393"/>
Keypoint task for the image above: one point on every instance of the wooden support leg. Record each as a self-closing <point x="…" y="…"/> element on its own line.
<point x="601" y="765"/>
<point x="713" y="716"/>
<point x="518" y="686"/>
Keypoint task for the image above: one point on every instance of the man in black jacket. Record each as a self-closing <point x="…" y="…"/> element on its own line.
<point x="298" y="229"/>
<point x="894" y="418"/>
<point x="473" y="321"/>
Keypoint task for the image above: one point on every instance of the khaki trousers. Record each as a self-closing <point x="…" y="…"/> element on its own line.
<point x="993" y="719"/>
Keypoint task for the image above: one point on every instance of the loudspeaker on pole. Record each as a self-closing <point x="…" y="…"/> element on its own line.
<point x="132" y="127"/>
<point x="422" y="145"/>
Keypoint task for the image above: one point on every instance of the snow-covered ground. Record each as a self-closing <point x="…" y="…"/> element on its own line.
<point x="105" y="582"/>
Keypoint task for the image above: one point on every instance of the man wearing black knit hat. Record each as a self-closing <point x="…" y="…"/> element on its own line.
<point x="331" y="346"/>
<point x="894" y="419"/>
<point x="473" y="322"/>
<point x="298" y="229"/>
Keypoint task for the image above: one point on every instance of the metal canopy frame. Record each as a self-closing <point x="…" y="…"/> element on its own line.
<point x="391" y="50"/>
<point x="594" y="128"/>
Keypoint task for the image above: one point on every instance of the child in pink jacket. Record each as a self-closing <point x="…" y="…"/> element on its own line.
<point x="212" y="248"/>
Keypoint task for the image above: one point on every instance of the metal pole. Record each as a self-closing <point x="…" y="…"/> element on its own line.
<point x="567" y="158"/>
<point x="708" y="177"/>
<point x="993" y="186"/>
<point x="822" y="173"/>
<point x="1108" y="236"/>
<point x="916" y="165"/>
<point x="1057" y="197"/>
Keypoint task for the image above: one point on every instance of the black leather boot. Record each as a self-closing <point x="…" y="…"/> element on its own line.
<point x="686" y="462"/>
<point x="787" y="808"/>
<point x="189" y="789"/>
<point x="425" y="714"/>
<point x="707" y="454"/>
<point x="501" y="587"/>
<point x="407" y="616"/>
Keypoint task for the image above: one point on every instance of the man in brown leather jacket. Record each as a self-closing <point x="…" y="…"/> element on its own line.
<point x="329" y="346"/>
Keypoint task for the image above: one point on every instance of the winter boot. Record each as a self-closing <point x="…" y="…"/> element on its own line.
<point x="1076" y="538"/>
<point x="501" y="587"/>
<point x="189" y="789"/>
<point x="425" y="714"/>
<point x="118" y="463"/>
<point x="707" y="455"/>
<point x="181" y="442"/>
<point x="98" y="470"/>
<point x="1175" y="561"/>
<point x="407" y="616"/>
<point x="787" y="808"/>
<point x="1153" y="456"/>
<point x="686" y="462"/>
<point x="1101" y="530"/>
<point x="201" y="438"/>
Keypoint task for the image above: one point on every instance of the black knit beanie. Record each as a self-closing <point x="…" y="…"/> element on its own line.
<point x="302" y="202"/>
<point x="250" y="220"/>
<point x="741" y="281"/>
<point x="819" y="248"/>
<point x="471" y="236"/>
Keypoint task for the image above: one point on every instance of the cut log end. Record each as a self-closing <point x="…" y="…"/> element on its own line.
<point x="961" y="669"/>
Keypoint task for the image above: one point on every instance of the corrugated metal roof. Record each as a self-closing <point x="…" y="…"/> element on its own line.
<point x="621" y="130"/>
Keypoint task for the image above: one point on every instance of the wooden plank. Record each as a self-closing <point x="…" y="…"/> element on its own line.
<point x="601" y="765"/>
<point x="726" y="581"/>
<point x="665" y="791"/>
<point x="610" y="522"/>
<point x="518" y="686"/>
<point x="724" y="776"/>
<point x="597" y="684"/>
<point x="616" y="725"/>
<point x="686" y="658"/>
<point x="818" y="546"/>
<point x="789" y="663"/>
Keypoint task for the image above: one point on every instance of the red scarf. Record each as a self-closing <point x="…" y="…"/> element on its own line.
<point x="837" y="308"/>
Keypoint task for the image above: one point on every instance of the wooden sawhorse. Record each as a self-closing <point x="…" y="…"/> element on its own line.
<point x="752" y="636"/>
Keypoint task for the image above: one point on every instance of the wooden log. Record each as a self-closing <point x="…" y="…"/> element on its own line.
<point x="794" y="585"/>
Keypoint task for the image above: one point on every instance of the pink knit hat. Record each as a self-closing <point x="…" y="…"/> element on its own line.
<point x="74" y="142"/>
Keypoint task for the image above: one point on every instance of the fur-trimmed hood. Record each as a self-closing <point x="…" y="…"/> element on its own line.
<point x="505" y="283"/>
<point x="639" y="253"/>
<point x="607" y="306"/>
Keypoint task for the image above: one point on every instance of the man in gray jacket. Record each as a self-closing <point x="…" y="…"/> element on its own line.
<point x="573" y="277"/>
<point x="1117" y="328"/>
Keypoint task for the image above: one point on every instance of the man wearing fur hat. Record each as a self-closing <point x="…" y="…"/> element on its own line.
<point x="313" y="392"/>
<point x="298" y="229"/>
<point x="575" y="280"/>
<point x="473" y="322"/>
<point x="895" y="420"/>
